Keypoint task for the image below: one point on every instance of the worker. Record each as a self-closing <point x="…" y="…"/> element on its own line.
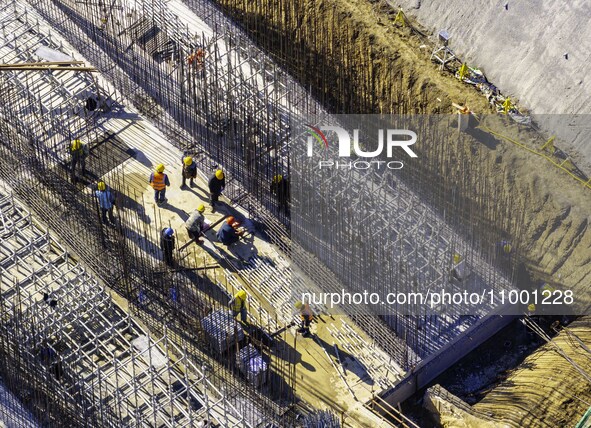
<point x="106" y="200"/>
<point x="50" y="358"/>
<point x="531" y="309"/>
<point x="230" y="231"/>
<point x="238" y="305"/>
<point x="197" y="59"/>
<point x="504" y="249"/>
<point x="280" y="188"/>
<point x="52" y="302"/>
<point x="507" y="247"/>
<point x="306" y="315"/>
<point x="217" y="183"/>
<point x="78" y="153"/>
<point x="167" y="245"/>
<point x="195" y="224"/>
<point x="189" y="171"/>
<point x="459" y="270"/>
<point x="159" y="182"/>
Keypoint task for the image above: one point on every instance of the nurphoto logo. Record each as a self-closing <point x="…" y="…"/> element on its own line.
<point x="387" y="139"/>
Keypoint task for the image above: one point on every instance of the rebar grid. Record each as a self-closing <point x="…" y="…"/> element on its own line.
<point x="239" y="127"/>
<point x="56" y="112"/>
<point x="57" y="314"/>
<point x="349" y="219"/>
<point x="134" y="272"/>
<point x="12" y="411"/>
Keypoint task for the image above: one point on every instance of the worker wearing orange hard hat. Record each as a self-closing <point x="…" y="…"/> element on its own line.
<point x="230" y="231"/>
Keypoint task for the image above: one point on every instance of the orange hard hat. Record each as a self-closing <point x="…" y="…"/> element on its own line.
<point x="230" y="220"/>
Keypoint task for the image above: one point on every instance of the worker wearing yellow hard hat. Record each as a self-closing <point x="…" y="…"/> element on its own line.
<point x="79" y="151"/>
<point x="189" y="171"/>
<point x="159" y="181"/>
<point x="280" y="188"/>
<point x="216" y="185"/>
<point x="195" y="224"/>
<point x="238" y="305"/>
<point x="306" y="316"/>
<point x="106" y="201"/>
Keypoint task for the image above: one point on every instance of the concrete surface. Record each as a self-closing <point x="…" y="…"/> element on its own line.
<point x="521" y="50"/>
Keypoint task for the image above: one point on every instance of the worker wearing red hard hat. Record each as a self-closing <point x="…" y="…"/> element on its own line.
<point x="230" y="232"/>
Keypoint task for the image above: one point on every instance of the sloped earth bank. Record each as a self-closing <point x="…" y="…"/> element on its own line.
<point x="354" y="57"/>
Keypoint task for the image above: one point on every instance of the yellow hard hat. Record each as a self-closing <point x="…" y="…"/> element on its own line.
<point x="531" y="307"/>
<point x="457" y="258"/>
<point x="277" y="178"/>
<point x="507" y="248"/>
<point x="241" y="294"/>
<point x="101" y="185"/>
<point x="188" y="160"/>
<point x="299" y="304"/>
<point x="76" y="144"/>
<point x="219" y="174"/>
<point x="160" y="168"/>
<point x="201" y="208"/>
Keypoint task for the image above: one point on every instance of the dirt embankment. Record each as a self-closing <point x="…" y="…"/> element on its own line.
<point x="355" y="59"/>
<point x="546" y="390"/>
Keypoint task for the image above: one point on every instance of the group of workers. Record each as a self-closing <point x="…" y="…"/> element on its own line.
<point x="228" y="234"/>
<point x="196" y="224"/>
<point x="159" y="182"/>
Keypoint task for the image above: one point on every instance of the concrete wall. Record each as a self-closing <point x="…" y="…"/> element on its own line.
<point x="427" y="370"/>
<point x="521" y="51"/>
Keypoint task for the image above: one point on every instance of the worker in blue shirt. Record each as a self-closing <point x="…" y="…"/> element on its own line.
<point x="230" y="232"/>
<point x="106" y="200"/>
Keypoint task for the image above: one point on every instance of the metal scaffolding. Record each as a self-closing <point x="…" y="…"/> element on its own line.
<point x="101" y="365"/>
<point x="174" y="304"/>
<point x="58" y="108"/>
<point x="378" y="235"/>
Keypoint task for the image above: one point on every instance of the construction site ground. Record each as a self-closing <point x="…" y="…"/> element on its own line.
<point x="556" y="238"/>
<point x="480" y="371"/>
<point x="546" y="390"/>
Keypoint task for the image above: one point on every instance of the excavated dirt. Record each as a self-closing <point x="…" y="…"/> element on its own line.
<point x="546" y="390"/>
<point x="360" y="53"/>
<point x="356" y="59"/>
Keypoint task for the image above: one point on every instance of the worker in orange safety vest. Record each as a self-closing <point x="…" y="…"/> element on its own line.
<point x="159" y="182"/>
